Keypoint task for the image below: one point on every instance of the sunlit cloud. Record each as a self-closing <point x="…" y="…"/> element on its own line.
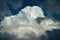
<point x="24" y="24"/>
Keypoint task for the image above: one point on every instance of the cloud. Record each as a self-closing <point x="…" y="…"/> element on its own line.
<point x="7" y="36"/>
<point x="25" y="26"/>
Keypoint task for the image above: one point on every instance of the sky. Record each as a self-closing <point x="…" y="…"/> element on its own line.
<point x="51" y="10"/>
<point x="12" y="7"/>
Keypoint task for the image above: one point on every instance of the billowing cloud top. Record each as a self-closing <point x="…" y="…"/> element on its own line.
<point x="24" y="24"/>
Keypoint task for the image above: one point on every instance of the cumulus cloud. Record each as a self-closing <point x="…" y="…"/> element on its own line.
<point x="25" y="26"/>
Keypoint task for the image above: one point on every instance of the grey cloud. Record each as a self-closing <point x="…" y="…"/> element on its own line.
<point x="7" y="36"/>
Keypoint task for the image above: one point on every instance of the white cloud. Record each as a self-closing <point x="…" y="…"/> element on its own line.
<point x="23" y="25"/>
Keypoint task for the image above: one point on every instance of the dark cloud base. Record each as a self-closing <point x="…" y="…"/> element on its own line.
<point x="7" y="36"/>
<point x="52" y="35"/>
